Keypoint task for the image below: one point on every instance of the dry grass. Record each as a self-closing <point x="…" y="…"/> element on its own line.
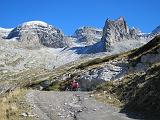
<point x="108" y="98"/>
<point x="12" y="105"/>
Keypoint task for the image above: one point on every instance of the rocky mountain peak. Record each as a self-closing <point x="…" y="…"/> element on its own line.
<point x="121" y="18"/>
<point x="88" y="35"/>
<point x="121" y="24"/>
<point x="88" y="30"/>
<point x="38" y="33"/>
<point x="117" y="30"/>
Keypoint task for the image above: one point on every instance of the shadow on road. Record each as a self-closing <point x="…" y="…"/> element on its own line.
<point x="140" y="116"/>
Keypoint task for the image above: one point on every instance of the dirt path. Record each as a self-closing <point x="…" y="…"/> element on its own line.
<point x="70" y="106"/>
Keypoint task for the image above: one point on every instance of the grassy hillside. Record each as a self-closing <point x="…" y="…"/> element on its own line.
<point x="138" y="91"/>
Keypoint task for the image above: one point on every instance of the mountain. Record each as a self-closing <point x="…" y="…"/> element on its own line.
<point x="111" y="39"/>
<point x="37" y="33"/>
<point x="88" y="35"/>
<point x="118" y="30"/>
<point x="113" y="36"/>
<point x="49" y="48"/>
<point x="85" y="40"/>
<point x="116" y="33"/>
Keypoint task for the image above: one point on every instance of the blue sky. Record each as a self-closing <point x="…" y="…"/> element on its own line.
<point x="68" y="15"/>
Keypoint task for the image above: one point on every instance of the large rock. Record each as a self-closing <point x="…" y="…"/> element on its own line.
<point x="117" y="31"/>
<point x="36" y="33"/>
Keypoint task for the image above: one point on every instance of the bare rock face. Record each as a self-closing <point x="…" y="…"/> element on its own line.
<point x="117" y="31"/>
<point x="70" y="41"/>
<point x="112" y="70"/>
<point x="37" y="33"/>
<point x="88" y="35"/>
<point x="134" y="33"/>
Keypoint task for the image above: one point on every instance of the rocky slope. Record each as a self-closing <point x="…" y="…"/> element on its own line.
<point x="104" y="68"/>
<point x="14" y="57"/>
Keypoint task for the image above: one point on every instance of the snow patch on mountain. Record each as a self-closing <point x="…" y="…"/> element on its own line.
<point x="34" y="23"/>
<point x="4" y="31"/>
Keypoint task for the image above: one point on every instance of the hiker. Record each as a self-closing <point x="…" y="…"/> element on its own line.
<point x="74" y="85"/>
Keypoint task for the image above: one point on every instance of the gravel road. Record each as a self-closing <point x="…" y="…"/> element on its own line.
<point x="50" y="105"/>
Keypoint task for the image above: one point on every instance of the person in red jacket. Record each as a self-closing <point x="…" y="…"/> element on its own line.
<point x="74" y="85"/>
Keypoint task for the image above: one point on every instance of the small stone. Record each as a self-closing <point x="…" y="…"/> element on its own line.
<point x="94" y="109"/>
<point x="86" y="98"/>
<point x="62" y="116"/>
<point x="91" y="95"/>
<point x="68" y="116"/>
<point x="50" y="105"/>
<point x="79" y="110"/>
<point x="24" y="114"/>
<point x="77" y="95"/>
<point x="31" y="115"/>
<point x="104" y="92"/>
<point x="59" y="114"/>
<point x="71" y="113"/>
<point x="109" y="97"/>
